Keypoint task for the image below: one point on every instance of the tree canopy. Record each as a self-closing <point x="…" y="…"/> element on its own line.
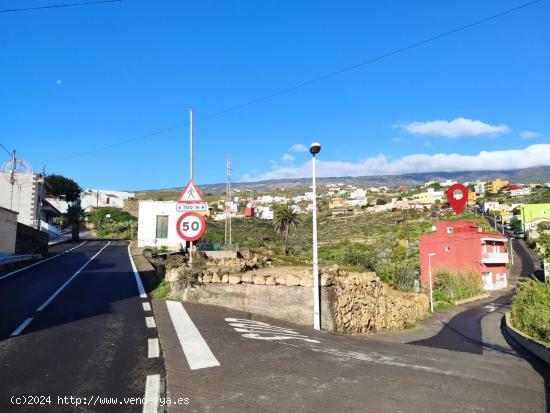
<point x="63" y="187"/>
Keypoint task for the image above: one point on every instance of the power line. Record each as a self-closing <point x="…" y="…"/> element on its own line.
<point x="317" y="79"/>
<point x="8" y="152"/>
<point x="58" y="6"/>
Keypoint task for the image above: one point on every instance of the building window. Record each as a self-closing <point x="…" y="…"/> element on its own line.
<point x="449" y="230"/>
<point x="162" y="226"/>
<point x="108" y="201"/>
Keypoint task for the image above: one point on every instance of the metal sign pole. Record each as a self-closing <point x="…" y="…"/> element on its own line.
<point x="191" y="170"/>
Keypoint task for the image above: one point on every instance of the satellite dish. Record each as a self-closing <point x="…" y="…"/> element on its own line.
<point x="11" y="168"/>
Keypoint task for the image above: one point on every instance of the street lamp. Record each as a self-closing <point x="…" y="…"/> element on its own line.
<point x="430" y="255"/>
<point x="314" y="149"/>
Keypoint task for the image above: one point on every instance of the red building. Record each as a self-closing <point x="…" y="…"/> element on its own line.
<point x="249" y="212"/>
<point x="464" y="246"/>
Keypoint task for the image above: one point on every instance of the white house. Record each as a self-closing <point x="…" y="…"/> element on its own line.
<point x="25" y="197"/>
<point x="100" y="198"/>
<point x="157" y="224"/>
<point x="358" y="194"/>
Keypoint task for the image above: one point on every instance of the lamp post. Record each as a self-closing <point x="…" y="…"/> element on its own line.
<point x="430" y="255"/>
<point x="511" y="252"/>
<point x="314" y="149"/>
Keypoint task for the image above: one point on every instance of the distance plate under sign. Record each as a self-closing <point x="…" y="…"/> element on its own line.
<point x="191" y="207"/>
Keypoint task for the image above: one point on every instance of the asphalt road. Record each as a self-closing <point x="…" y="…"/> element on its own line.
<point x="266" y="365"/>
<point x="70" y="333"/>
<point x="476" y="329"/>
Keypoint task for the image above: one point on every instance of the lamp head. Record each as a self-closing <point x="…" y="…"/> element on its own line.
<point x="315" y="148"/>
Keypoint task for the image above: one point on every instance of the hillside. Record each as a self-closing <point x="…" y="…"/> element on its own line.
<point x="534" y="174"/>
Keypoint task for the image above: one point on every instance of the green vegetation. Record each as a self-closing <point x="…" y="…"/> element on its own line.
<point x="61" y="186"/>
<point x="385" y="242"/>
<point x="162" y="290"/>
<point x="113" y="223"/>
<point x="450" y="286"/>
<point x="531" y="309"/>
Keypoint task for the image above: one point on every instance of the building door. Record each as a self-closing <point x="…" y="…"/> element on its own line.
<point x="487" y="278"/>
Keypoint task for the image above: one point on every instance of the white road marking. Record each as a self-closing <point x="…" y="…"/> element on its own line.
<point x="153" y="349"/>
<point x="141" y="290"/>
<point x="24" y="324"/>
<point x="146" y="307"/>
<point x="259" y="330"/>
<point x="41" y="261"/>
<point x="150" y="322"/>
<point x="194" y="346"/>
<point x="152" y="394"/>
<point x="52" y="297"/>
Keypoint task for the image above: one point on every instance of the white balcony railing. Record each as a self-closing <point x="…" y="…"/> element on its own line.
<point x="494" y="258"/>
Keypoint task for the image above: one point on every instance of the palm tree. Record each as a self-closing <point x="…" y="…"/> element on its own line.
<point x="285" y="218"/>
<point x="74" y="215"/>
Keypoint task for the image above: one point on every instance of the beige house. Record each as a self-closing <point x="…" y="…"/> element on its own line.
<point x="25" y="197"/>
<point x="8" y="231"/>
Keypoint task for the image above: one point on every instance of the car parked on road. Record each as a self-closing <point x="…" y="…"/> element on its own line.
<point x="508" y="227"/>
<point x="520" y="235"/>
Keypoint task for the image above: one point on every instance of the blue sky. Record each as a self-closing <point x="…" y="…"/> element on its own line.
<point x="78" y="79"/>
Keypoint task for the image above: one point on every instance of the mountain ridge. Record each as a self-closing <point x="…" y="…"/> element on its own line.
<point x="522" y="175"/>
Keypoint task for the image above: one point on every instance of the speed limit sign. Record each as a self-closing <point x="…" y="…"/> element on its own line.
<point x="191" y="226"/>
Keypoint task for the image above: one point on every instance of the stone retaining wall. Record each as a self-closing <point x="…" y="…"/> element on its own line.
<point x="352" y="303"/>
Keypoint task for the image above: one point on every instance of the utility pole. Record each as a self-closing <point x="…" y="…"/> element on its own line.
<point x="228" y="238"/>
<point x="191" y="170"/>
<point x="12" y="177"/>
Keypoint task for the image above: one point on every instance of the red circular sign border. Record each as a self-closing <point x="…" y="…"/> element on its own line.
<point x="199" y="235"/>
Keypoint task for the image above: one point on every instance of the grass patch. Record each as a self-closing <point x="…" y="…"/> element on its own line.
<point x="531" y="309"/>
<point x="450" y="286"/>
<point x="162" y="290"/>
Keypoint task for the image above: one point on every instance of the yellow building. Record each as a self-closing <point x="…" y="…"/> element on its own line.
<point x="337" y="203"/>
<point x="472" y="197"/>
<point x="495" y="185"/>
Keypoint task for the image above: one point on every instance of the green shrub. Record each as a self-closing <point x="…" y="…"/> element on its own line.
<point x="531" y="309"/>
<point x="458" y="285"/>
<point x="403" y="275"/>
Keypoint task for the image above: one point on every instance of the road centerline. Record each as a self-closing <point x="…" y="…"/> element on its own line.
<point x="41" y="261"/>
<point x="21" y="327"/>
<point x="58" y="291"/>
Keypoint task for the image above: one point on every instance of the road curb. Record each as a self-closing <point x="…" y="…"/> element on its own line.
<point x="536" y="347"/>
<point x="469" y="300"/>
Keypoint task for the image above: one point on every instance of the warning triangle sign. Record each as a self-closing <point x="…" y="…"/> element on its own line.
<point x="191" y="194"/>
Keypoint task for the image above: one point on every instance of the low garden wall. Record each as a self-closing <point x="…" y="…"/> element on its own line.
<point x="353" y="303"/>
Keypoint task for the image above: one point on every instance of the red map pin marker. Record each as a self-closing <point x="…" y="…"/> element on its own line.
<point x="457" y="204"/>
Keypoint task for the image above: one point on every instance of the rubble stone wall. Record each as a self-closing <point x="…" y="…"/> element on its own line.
<point x="352" y="303"/>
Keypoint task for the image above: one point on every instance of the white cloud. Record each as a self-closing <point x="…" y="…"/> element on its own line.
<point x="298" y="147"/>
<point x="533" y="155"/>
<point x="287" y="158"/>
<point x="529" y="134"/>
<point x="59" y="81"/>
<point x="459" y="127"/>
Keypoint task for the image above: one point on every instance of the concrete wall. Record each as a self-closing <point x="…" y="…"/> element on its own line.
<point x="30" y="240"/>
<point x="28" y="192"/>
<point x="351" y="303"/>
<point x="294" y="304"/>
<point x="8" y="231"/>
<point x="147" y="224"/>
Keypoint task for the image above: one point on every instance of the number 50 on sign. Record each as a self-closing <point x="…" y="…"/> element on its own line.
<point x="191" y="226"/>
